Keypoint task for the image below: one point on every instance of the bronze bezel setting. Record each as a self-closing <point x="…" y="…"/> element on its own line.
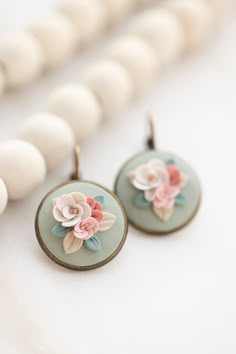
<point x="67" y="265"/>
<point x="143" y="229"/>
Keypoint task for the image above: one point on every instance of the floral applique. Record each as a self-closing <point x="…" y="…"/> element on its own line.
<point x="161" y="184"/>
<point x="79" y="219"/>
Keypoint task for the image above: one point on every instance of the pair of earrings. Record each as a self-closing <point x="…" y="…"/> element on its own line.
<point x="82" y="225"/>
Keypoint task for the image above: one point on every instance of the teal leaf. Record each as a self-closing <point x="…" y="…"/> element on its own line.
<point x="141" y="202"/>
<point x="170" y="162"/>
<point x="180" y="199"/>
<point x="60" y="231"/>
<point x="93" y="244"/>
<point x="99" y="199"/>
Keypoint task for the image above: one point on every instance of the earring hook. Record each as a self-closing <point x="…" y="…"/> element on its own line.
<point x="151" y="140"/>
<point x="76" y="174"/>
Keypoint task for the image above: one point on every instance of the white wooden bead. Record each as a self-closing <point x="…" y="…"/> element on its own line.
<point x="137" y="56"/>
<point x="57" y="36"/>
<point x="119" y="9"/>
<point x="3" y="196"/>
<point x="111" y="83"/>
<point x="144" y="3"/>
<point x="52" y="136"/>
<point x="219" y="5"/>
<point x="90" y="17"/>
<point x="163" y="31"/>
<point x="22" y="58"/>
<point x="22" y="168"/>
<point x="2" y="79"/>
<point x="196" y="17"/>
<point x="79" y="106"/>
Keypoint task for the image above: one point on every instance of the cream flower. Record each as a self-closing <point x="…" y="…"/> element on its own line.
<point x="149" y="176"/>
<point x="70" y="209"/>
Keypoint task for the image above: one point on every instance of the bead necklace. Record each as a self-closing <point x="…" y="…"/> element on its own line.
<point x="155" y="38"/>
<point x="49" y="41"/>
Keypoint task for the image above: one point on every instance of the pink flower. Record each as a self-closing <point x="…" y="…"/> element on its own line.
<point x="165" y="196"/>
<point x="86" y="228"/>
<point x="69" y="209"/>
<point x="175" y="175"/>
<point x="149" y="176"/>
<point x="96" y="209"/>
<point x="177" y="178"/>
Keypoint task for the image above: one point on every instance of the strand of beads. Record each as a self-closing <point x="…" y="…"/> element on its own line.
<point x="153" y="40"/>
<point x="51" y="40"/>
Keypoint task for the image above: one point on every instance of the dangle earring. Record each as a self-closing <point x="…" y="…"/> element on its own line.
<point x="160" y="192"/>
<point x="81" y="225"/>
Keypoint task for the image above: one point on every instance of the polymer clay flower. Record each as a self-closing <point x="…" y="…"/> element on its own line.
<point x="149" y="176"/>
<point x="165" y="196"/>
<point x="160" y="187"/>
<point x="176" y="177"/>
<point x="80" y="218"/>
<point x="96" y="209"/>
<point x="69" y="209"/>
<point x="86" y="228"/>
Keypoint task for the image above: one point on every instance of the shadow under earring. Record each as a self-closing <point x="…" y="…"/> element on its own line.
<point x="81" y="225"/>
<point x="160" y="192"/>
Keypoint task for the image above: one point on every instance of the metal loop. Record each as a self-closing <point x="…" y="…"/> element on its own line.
<point x="76" y="174"/>
<point x="151" y="140"/>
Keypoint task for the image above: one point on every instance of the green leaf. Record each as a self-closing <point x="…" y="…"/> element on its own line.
<point x="60" y="231"/>
<point x="99" y="199"/>
<point x="180" y="199"/>
<point x="141" y="202"/>
<point x="93" y="244"/>
<point x="170" y="162"/>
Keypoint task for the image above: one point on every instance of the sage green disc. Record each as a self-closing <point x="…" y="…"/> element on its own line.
<point x="147" y="216"/>
<point x="59" y="242"/>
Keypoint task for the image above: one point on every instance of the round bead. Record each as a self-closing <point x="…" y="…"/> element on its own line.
<point x="57" y="36"/>
<point x="163" y="31"/>
<point x="3" y="196"/>
<point x="137" y="56"/>
<point x="119" y="9"/>
<point x="79" y="106"/>
<point x="22" y="58"/>
<point x="22" y="168"/>
<point x="219" y="5"/>
<point x="51" y="135"/>
<point x="111" y="83"/>
<point x="89" y="17"/>
<point x="196" y="17"/>
<point x="144" y="3"/>
<point x="2" y="79"/>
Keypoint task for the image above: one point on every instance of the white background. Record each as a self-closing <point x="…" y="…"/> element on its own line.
<point x="167" y="295"/>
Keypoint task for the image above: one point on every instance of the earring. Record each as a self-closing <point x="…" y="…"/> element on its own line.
<point x="160" y="192"/>
<point x="81" y="225"/>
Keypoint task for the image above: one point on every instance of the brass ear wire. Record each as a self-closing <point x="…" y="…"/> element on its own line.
<point x="76" y="174"/>
<point x="151" y="140"/>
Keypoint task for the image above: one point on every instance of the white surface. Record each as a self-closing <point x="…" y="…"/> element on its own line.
<point x="170" y="295"/>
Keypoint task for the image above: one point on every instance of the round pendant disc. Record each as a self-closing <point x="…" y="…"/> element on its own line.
<point x="160" y="192"/>
<point x="81" y="225"/>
